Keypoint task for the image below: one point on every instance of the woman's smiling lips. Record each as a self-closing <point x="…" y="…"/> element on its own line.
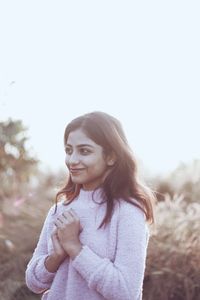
<point x="75" y="171"/>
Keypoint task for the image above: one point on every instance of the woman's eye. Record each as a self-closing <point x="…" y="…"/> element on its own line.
<point x="84" y="151"/>
<point x="68" y="150"/>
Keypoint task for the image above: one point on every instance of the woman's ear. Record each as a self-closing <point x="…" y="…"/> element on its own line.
<point x="111" y="159"/>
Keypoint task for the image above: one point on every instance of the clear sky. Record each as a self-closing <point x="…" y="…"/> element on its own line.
<point x="137" y="60"/>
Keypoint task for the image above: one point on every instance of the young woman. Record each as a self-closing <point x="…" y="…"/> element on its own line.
<point x="94" y="241"/>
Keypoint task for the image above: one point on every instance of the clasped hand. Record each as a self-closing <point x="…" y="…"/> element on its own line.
<point x="65" y="237"/>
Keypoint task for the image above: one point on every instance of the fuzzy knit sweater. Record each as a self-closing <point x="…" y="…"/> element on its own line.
<point x="111" y="263"/>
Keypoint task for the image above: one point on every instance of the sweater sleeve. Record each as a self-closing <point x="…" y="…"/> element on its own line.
<point x="123" y="278"/>
<point x="38" y="278"/>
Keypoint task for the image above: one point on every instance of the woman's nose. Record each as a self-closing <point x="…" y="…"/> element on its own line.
<point x="74" y="158"/>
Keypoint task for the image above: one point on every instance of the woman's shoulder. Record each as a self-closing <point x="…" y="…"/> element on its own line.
<point x="132" y="216"/>
<point x="56" y="209"/>
<point x="130" y="208"/>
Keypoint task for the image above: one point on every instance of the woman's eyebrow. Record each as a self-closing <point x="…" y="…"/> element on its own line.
<point x="85" y="145"/>
<point x="80" y="145"/>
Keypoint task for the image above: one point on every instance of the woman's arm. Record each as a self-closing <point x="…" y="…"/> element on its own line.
<point x="42" y="267"/>
<point x="123" y="278"/>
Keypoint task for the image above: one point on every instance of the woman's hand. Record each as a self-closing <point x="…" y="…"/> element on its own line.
<point x="57" y="256"/>
<point x="59" y="251"/>
<point x="68" y="230"/>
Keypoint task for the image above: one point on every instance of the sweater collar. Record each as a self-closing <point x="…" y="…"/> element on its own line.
<point x="96" y="195"/>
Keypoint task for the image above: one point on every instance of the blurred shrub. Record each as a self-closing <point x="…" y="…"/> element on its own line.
<point x="173" y="264"/>
<point x="16" y="164"/>
<point x="185" y="180"/>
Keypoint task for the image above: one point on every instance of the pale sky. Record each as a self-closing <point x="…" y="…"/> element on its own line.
<point x="138" y="61"/>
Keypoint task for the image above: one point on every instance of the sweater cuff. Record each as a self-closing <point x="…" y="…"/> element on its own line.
<point x="41" y="273"/>
<point x="87" y="263"/>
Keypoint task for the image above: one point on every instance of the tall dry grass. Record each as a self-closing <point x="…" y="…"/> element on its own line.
<point x="173" y="263"/>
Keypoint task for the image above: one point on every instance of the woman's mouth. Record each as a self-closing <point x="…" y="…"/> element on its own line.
<point x="76" y="171"/>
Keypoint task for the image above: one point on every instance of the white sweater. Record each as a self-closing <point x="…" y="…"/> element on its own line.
<point x="111" y="264"/>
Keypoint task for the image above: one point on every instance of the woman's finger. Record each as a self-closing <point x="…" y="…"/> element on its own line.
<point x="76" y="217"/>
<point x="59" y="223"/>
<point x="74" y="214"/>
<point x="67" y="216"/>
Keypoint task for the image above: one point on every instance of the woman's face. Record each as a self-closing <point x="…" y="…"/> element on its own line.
<point x="85" y="160"/>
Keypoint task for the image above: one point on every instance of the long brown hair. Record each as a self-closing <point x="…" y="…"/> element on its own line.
<point x="122" y="181"/>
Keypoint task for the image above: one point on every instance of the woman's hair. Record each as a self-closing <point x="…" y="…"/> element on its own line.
<point x="122" y="180"/>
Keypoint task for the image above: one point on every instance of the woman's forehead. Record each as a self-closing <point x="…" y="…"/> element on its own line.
<point x="79" y="137"/>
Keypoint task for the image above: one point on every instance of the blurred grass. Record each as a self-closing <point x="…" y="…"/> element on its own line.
<point x="19" y="235"/>
<point x="173" y="264"/>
